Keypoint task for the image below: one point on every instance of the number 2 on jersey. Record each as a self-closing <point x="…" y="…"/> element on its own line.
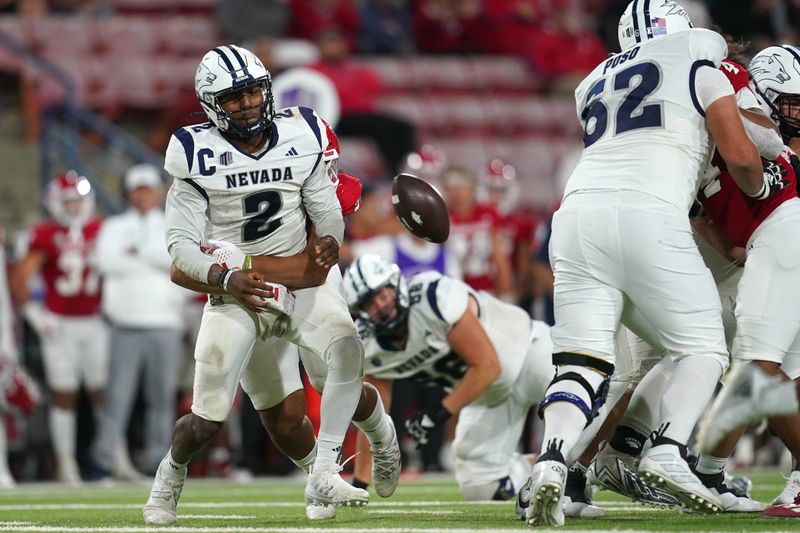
<point x="263" y="205"/>
<point x="641" y="80"/>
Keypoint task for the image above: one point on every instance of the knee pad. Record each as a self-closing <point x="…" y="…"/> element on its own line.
<point x="580" y="380"/>
<point x="345" y="358"/>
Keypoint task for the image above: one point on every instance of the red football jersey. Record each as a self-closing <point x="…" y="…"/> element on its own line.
<point x="736" y="214"/>
<point x="736" y="74"/>
<point x="470" y="242"/>
<point x="72" y="283"/>
<point x="520" y="230"/>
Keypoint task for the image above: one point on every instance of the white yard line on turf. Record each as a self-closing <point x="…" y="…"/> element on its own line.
<point x="193" y="529"/>
<point x="218" y="516"/>
<point x="615" y="505"/>
<point x="409" y="511"/>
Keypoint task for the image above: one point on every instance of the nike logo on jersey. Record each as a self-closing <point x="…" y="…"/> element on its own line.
<point x="254" y="177"/>
<point x="292" y="151"/>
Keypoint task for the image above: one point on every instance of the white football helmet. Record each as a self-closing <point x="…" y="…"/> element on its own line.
<point x="364" y="277"/>
<point x="775" y="72"/>
<point x="70" y="199"/>
<point x="227" y="69"/>
<point x="645" y="19"/>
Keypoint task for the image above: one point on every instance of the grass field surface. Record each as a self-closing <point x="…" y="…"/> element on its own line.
<point x="419" y="505"/>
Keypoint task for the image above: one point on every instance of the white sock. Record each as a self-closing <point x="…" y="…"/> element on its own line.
<point x="563" y="420"/>
<point x="4" y="470"/>
<point x="339" y="397"/>
<point x="377" y="427"/>
<point x="615" y="392"/>
<point x="687" y="394"/>
<point x="563" y="425"/>
<point x="708" y="464"/>
<point x="644" y="410"/>
<point x="305" y="463"/>
<point x="63" y="431"/>
<point x="172" y="468"/>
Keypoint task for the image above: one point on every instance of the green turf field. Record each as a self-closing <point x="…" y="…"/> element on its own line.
<point x="431" y="505"/>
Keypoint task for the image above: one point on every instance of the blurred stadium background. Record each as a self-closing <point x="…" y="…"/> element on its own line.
<point x="99" y="85"/>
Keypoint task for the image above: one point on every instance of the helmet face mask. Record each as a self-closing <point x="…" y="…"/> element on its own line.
<point x="643" y="20"/>
<point x="775" y="72"/>
<point x="223" y="75"/>
<point x="364" y="282"/>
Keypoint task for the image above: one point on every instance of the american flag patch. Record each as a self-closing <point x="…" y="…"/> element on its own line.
<point x="658" y="26"/>
<point x="225" y="159"/>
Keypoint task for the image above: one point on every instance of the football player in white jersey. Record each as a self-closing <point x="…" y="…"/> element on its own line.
<point x="252" y="176"/>
<point x="493" y="360"/>
<point x="622" y="244"/>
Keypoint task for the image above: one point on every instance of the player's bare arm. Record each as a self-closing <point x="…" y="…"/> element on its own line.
<point x="712" y="234"/>
<point x="27" y="267"/>
<point x="740" y="154"/>
<point x="327" y="251"/>
<point x="469" y="340"/>
<point x="363" y="461"/>
<point x="299" y="271"/>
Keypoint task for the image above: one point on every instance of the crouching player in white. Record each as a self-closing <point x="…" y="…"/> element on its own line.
<point x="622" y="242"/>
<point x="491" y="357"/>
<point x="251" y="176"/>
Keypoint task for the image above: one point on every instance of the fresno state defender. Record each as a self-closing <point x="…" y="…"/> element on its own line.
<point x="74" y="338"/>
<point x="476" y="235"/>
<point x="767" y="318"/>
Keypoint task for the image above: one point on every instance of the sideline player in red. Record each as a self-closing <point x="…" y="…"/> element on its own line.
<point x="499" y="186"/>
<point x="73" y="335"/>
<point x="476" y="236"/>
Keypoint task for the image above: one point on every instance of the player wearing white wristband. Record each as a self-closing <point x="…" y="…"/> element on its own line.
<point x="252" y="176"/>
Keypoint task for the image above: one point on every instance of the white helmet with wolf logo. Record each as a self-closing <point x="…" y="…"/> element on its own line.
<point x="643" y="20"/>
<point x="775" y="72"/>
<point x="227" y="69"/>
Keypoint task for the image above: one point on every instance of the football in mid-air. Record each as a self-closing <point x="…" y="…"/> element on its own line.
<point x="420" y="208"/>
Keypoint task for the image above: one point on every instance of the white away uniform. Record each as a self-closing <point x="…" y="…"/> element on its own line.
<point x="257" y="202"/>
<point x="489" y="428"/>
<point x="622" y="244"/>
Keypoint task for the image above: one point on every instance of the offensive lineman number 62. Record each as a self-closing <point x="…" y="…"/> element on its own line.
<point x="631" y="115"/>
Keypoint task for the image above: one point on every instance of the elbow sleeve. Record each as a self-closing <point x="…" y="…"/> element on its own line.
<point x="191" y="261"/>
<point x="331" y="225"/>
<point x="767" y="140"/>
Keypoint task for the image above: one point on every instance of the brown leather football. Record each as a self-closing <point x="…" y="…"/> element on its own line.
<point x="420" y="208"/>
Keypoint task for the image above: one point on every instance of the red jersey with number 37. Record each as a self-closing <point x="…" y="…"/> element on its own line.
<point x="736" y="214"/>
<point x="71" y="280"/>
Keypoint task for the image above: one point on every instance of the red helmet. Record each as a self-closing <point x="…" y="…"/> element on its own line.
<point x="428" y="162"/>
<point x="497" y="185"/>
<point x="70" y="199"/>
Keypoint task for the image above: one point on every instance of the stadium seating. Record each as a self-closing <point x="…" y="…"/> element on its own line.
<point x="472" y="107"/>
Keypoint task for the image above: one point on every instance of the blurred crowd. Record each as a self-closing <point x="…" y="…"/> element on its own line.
<point x="95" y="341"/>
